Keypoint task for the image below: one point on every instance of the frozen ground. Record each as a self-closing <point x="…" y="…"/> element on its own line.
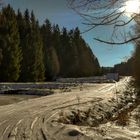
<point x="10" y="99"/>
<point x="38" y="119"/>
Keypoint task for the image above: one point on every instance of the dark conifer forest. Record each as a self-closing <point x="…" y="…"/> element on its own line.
<point x="30" y="52"/>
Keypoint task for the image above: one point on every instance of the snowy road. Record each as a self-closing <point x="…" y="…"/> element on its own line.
<point x="32" y="119"/>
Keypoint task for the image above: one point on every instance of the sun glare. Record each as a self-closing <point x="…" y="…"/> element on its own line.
<point x="132" y="7"/>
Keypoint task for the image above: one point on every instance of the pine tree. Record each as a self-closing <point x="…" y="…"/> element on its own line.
<point x="24" y="27"/>
<point x="36" y="51"/>
<point x="9" y="44"/>
<point x="31" y="45"/>
<point x="97" y="67"/>
<point x="69" y="54"/>
<point x="37" y="69"/>
<point x="50" y="40"/>
<point x="63" y="52"/>
<point x="52" y="64"/>
<point x="46" y="33"/>
<point x="75" y="57"/>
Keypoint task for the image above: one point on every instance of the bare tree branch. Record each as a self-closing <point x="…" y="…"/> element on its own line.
<point x="105" y="13"/>
<point x="119" y="43"/>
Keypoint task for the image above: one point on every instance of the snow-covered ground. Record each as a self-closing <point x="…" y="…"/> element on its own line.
<point x="38" y="119"/>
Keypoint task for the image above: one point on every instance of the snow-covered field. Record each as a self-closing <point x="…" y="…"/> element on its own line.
<point x="40" y="118"/>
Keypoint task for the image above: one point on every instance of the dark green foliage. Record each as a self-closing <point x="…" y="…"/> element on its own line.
<point x="38" y="69"/>
<point x="50" y="56"/>
<point x="125" y="68"/>
<point x="73" y="56"/>
<point x="32" y="53"/>
<point x="105" y="70"/>
<point x="31" y="45"/>
<point x="52" y="64"/>
<point x="78" y="60"/>
<point x="97" y="67"/>
<point x="9" y="45"/>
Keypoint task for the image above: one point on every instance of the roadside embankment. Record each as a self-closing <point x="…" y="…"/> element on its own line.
<point x="103" y="111"/>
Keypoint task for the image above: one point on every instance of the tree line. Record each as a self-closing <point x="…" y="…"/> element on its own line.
<point x="30" y="52"/>
<point x="123" y="69"/>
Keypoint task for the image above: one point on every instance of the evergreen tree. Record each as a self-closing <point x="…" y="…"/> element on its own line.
<point x="24" y="27"/>
<point x="63" y="52"/>
<point x="50" y="55"/>
<point x="45" y="50"/>
<point x="56" y="42"/>
<point x="31" y="44"/>
<point x="52" y="64"/>
<point x="46" y="33"/>
<point x="73" y="55"/>
<point x="37" y="69"/>
<point x="9" y="44"/>
<point x="97" y="67"/>
<point x="76" y="58"/>
<point x="125" y="68"/>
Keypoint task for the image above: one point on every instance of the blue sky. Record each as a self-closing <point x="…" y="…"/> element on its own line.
<point x="58" y="12"/>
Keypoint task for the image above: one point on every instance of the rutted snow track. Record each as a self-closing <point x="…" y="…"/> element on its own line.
<point x="32" y="119"/>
